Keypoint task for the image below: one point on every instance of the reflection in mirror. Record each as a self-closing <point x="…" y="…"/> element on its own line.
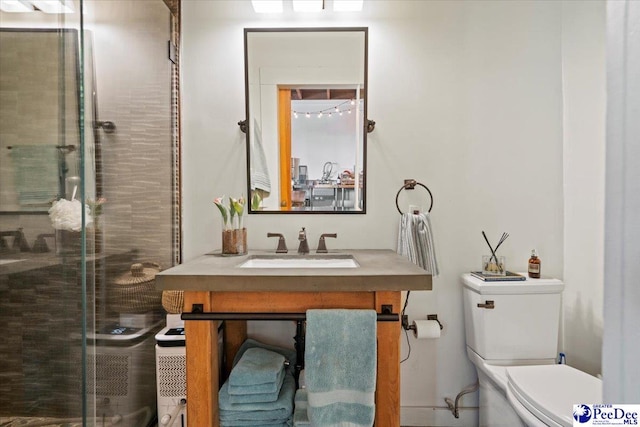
<point x="306" y="109"/>
<point x="39" y="151"/>
<point x="326" y="149"/>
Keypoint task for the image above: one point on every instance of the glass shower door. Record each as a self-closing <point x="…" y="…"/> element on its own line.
<point x="128" y="107"/>
<point x="42" y="249"/>
<point x="87" y="193"/>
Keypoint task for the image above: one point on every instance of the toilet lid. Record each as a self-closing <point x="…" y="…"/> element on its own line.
<point x="552" y="390"/>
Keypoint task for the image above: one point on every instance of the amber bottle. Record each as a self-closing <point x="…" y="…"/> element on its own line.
<point x="534" y="265"/>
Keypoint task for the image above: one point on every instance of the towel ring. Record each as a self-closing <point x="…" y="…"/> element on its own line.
<point x="410" y="184"/>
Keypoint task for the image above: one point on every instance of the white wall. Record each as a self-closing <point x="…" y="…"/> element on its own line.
<point x="584" y="93"/>
<point x="480" y="123"/>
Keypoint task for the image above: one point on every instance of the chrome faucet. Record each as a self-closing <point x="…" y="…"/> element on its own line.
<point x="303" y="248"/>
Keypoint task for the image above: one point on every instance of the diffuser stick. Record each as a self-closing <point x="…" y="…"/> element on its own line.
<point x="493" y="253"/>
<point x="502" y="239"/>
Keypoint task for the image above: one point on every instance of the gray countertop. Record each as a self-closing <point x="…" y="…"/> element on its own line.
<point x="379" y="270"/>
<point x="21" y="262"/>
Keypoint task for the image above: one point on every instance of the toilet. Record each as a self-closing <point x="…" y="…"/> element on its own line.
<point x="512" y="339"/>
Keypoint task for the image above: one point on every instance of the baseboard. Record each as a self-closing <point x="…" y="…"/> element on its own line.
<point x="419" y="416"/>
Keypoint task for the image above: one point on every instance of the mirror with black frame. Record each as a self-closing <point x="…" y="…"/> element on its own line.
<point x="306" y="106"/>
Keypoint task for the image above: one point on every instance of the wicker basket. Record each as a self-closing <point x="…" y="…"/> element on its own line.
<point x="135" y="291"/>
<point x="173" y="301"/>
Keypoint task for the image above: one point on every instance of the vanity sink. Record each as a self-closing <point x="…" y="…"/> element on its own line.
<point x="353" y="270"/>
<point x="300" y="261"/>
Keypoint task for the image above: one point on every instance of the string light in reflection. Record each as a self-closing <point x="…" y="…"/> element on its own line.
<point x="328" y="112"/>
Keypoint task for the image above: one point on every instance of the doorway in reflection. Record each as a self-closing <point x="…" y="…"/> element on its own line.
<point x="325" y="168"/>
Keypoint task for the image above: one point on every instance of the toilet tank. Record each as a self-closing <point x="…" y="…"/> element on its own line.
<point x="523" y="325"/>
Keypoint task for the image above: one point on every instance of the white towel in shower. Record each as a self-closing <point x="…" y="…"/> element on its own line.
<point x="415" y="241"/>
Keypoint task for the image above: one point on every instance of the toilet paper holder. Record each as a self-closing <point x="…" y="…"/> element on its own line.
<point x="435" y="317"/>
<point x="407" y="327"/>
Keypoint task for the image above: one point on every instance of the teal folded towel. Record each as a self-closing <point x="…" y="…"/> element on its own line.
<point x="257" y="393"/>
<point x="280" y="410"/>
<point x="300" y="417"/>
<point x="289" y="355"/>
<point x="36" y="169"/>
<point x="257" y="366"/>
<point x="287" y="423"/>
<point x="301" y="396"/>
<point x="340" y="367"/>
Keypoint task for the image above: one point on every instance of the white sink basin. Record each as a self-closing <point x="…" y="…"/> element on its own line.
<point x="300" y="261"/>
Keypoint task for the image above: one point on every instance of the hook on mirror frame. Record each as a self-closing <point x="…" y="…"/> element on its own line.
<point x="371" y="125"/>
<point x="243" y="125"/>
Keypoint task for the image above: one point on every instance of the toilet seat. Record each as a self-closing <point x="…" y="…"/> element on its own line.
<point x="549" y="392"/>
<point x="525" y="414"/>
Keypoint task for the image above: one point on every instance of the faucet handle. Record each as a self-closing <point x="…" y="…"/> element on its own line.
<point x="20" y="242"/>
<point x="282" y="245"/>
<point x="322" y="246"/>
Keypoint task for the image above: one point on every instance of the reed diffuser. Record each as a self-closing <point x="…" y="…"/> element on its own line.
<point x="493" y="264"/>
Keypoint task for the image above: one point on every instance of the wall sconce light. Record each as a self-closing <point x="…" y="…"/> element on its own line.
<point x="46" y="6"/>
<point x="267" y="6"/>
<point x="276" y="6"/>
<point x="308" y="5"/>
<point x="347" y="5"/>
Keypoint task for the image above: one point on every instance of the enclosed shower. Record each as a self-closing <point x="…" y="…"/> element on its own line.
<point x="89" y="204"/>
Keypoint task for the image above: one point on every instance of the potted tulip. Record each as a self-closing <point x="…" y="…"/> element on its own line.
<point x="234" y="233"/>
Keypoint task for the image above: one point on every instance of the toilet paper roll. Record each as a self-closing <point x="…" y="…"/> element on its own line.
<point x="425" y="329"/>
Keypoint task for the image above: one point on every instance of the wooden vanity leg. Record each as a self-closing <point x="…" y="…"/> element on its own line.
<point x="235" y="333"/>
<point x="201" y="341"/>
<point x="388" y="380"/>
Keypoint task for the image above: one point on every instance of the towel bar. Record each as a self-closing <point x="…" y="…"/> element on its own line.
<point x="410" y="184"/>
<point x="199" y="315"/>
<point x="68" y="148"/>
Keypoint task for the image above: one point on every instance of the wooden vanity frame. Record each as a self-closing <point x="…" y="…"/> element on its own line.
<point x="202" y="350"/>
<point x="218" y="285"/>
